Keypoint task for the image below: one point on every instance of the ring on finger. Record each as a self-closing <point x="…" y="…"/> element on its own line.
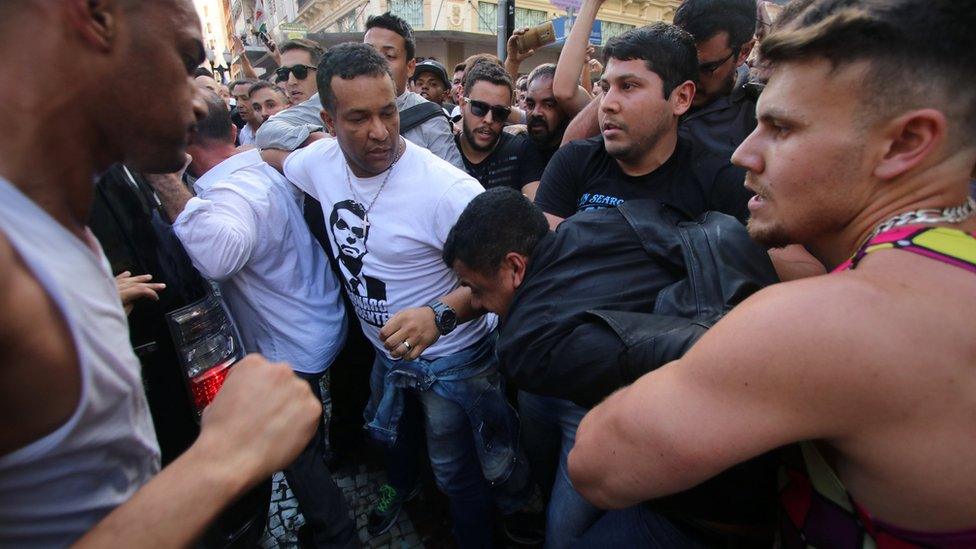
<point x="406" y="344"/>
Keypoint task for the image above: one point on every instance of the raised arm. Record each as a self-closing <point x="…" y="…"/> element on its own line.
<point x="565" y="83"/>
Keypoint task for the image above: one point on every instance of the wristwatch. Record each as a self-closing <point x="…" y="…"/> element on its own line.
<point x="444" y="316"/>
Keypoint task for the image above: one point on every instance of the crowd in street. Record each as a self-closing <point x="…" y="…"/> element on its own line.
<point x="595" y="293"/>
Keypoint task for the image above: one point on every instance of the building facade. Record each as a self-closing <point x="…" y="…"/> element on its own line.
<point x="448" y="30"/>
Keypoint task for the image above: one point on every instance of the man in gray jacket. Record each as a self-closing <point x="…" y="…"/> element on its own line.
<point x="393" y="38"/>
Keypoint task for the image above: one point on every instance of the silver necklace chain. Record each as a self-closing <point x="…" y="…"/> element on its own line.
<point x="355" y="196"/>
<point x="954" y="214"/>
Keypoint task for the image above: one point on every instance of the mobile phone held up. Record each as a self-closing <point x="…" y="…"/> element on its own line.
<point x="536" y="37"/>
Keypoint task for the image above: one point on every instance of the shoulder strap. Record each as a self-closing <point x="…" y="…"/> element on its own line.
<point x="416" y="115"/>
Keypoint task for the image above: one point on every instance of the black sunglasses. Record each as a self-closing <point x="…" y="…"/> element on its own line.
<point x="713" y="66"/>
<point x="480" y="108"/>
<point x="300" y="72"/>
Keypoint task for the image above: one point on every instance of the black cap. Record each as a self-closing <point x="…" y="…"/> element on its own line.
<point x="435" y="67"/>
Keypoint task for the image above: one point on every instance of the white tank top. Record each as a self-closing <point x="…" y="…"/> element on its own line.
<point x="56" y="488"/>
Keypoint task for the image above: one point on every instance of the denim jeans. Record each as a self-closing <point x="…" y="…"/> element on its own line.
<point x="319" y="499"/>
<point x="548" y="433"/>
<point x="639" y="526"/>
<point x="460" y="461"/>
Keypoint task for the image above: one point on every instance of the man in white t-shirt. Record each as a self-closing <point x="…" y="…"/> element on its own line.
<point x="389" y="205"/>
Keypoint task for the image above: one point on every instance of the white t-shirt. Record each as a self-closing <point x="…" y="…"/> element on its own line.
<point x="394" y="263"/>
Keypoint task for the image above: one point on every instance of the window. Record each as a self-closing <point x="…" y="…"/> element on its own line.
<point x="348" y="22"/>
<point x="529" y="18"/>
<point x="412" y="11"/>
<point x="611" y="29"/>
<point x="487" y="17"/>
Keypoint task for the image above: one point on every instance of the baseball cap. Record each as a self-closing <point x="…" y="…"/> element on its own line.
<point x="434" y="67"/>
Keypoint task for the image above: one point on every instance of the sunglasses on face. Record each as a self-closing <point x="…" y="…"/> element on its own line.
<point x="480" y="108"/>
<point x="713" y="66"/>
<point x="300" y="72"/>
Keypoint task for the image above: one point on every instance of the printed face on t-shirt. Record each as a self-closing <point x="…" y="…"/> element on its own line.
<point x="349" y="232"/>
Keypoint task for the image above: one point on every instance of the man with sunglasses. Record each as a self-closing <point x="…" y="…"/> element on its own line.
<point x="722" y="113"/>
<point x="493" y="157"/>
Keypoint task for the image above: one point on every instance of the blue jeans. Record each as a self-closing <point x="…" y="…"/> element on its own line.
<point x="459" y="461"/>
<point x="548" y="434"/>
<point x="639" y="526"/>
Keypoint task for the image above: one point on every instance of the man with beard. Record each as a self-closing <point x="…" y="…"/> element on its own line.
<point x="866" y="376"/>
<point x="546" y="120"/>
<point x="647" y="85"/>
<point x="493" y="157"/>
<point x="78" y="454"/>
<point x="722" y="113"/>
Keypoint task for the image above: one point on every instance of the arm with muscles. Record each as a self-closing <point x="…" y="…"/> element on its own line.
<point x="261" y="419"/>
<point x="732" y="397"/>
<point x="218" y="230"/>
<point x="565" y="83"/>
<point x="584" y="125"/>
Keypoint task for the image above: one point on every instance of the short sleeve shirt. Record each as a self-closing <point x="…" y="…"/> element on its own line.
<point x="582" y="176"/>
<point x="514" y="163"/>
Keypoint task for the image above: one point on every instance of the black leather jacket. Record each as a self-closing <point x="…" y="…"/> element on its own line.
<point x="559" y="341"/>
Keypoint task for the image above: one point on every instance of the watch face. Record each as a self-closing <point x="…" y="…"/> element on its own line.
<point x="448" y="319"/>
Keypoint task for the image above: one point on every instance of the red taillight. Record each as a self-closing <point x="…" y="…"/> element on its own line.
<point x="204" y="387"/>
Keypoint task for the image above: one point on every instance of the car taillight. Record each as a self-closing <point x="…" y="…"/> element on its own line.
<point x="208" y="345"/>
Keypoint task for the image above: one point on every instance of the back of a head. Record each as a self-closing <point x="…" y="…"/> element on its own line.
<point x="201" y="71"/>
<point x="315" y="51"/>
<point x="347" y="61"/>
<point x="666" y="50"/>
<point x="487" y="72"/>
<point x="703" y="19"/>
<point x="398" y="25"/>
<point x="921" y="53"/>
<point x="216" y="127"/>
<point x="496" y="222"/>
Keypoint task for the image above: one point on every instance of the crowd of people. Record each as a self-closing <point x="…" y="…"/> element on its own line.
<point x="596" y="293"/>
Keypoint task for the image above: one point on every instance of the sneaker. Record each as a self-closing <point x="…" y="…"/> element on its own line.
<point x="387" y="509"/>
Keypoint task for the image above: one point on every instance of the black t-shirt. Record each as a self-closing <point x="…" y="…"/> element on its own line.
<point x="514" y="163"/>
<point x="582" y="176"/>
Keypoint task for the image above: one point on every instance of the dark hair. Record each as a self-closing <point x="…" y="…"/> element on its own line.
<point x="265" y="85"/>
<point x="458" y="67"/>
<point x="478" y="58"/>
<point x="350" y="205"/>
<point x="665" y="49"/>
<point x="234" y="83"/>
<point x="347" y="61"/>
<point x="494" y="223"/>
<point x="398" y="25"/>
<point x="216" y="125"/>
<point x="315" y="51"/>
<point x="920" y="52"/>
<point x="488" y="72"/>
<point x="545" y="70"/>
<point x="703" y="19"/>
<point x="522" y="83"/>
<point x="201" y="71"/>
